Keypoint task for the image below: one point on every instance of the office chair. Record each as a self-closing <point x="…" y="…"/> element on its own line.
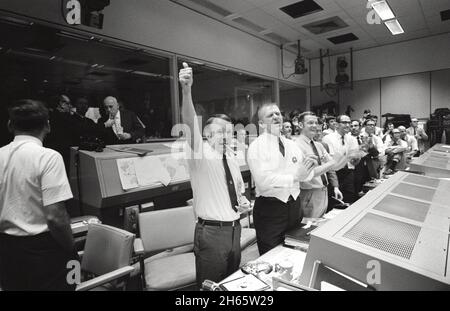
<point x="107" y="256"/>
<point x="168" y="260"/>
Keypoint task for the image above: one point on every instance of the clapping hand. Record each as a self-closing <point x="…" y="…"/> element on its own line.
<point x="244" y="204"/>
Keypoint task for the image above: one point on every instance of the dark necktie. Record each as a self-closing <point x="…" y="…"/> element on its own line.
<point x="343" y="140"/>
<point x="280" y="144"/>
<point x="230" y="184"/>
<point x="415" y="131"/>
<point x="323" y="177"/>
<point x="359" y="140"/>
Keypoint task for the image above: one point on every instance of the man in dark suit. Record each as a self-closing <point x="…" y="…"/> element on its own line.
<point x="120" y="126"/>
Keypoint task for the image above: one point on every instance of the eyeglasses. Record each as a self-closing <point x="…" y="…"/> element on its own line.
<point x="345" y="122"/>
<point x="370" y="124"/>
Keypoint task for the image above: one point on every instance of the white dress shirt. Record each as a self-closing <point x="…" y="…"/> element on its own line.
<point x="304" y="143"/>
<point x="117" y="126"/>
<point x="31" y="178"/>
<point x="334" y="142"/>
<point x="377" y="142"/>
<point x="208" y="182"/>
<point x="273" y="173"/>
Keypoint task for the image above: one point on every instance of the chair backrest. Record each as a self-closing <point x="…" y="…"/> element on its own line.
<point x="168" y="228"/>
<point x="107" y="248"/>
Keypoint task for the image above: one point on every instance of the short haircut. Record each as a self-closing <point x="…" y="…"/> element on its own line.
<point x="369" y="120"/>
<point x="354" y="120"/>
<point x="264" y="106"/>
<point x="366" y="111"/>
<point x="27" y="115"/>
<point x="301" y="117"/>
<point x="329" y="118"/>
<point x="218" y="116"/>
<point x="339" y="117"/>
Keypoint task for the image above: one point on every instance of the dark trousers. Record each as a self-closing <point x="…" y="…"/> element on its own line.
<point x="346" y="180"/>
<point x="272" y="218"/>
<point x="33" y="263"/>
<point x="217" y="252"/>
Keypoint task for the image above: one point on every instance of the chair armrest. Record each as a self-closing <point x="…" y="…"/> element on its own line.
<point x="104" y="278"/>
<point x="138" y="247"/>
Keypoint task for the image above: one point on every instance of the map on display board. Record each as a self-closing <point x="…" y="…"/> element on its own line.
<point x="152" y="171"/>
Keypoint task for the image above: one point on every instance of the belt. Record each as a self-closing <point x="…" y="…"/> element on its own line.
<point x="218" y="223"/>
<point x="273" y="199"/>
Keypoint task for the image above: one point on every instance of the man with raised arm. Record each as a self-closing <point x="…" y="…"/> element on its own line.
<point x="217" y="188"/>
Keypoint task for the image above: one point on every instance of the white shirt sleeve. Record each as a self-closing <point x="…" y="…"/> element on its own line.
<point x="265" y="175"/>
<point x="328" y="140"/>
<point x="54" y="184"/>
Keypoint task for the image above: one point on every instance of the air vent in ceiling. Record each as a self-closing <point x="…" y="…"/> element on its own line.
<point x="134" y="62"/>
<point x="301" y="8"/>
<point x="343" y="38"/>
<point x="445" y="15"/>
<point x="212" y="7"/>
<point x="325" y="25"/>
<point x="248" y="24"/>
<point x="277" y="37"/>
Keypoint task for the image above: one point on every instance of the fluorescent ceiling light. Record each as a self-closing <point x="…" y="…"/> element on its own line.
<point x="394" y="27"/>
<point x="383" y="10"/>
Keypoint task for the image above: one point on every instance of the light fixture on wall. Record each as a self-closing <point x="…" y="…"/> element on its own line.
<point x="385" y="12"/>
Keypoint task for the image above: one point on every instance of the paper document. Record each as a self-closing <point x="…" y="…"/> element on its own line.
<point x="127" y="173"/>
<point x="150" y="171"/>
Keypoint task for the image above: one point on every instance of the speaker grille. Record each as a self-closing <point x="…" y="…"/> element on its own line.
<point x="414" y="191"/>
<point x="385" y="234"/>
<point x="403" y="207"/>
<point x="423" y="181"/>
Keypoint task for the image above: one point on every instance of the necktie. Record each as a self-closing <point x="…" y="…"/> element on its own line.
<point x="230" y="184"/>
<point x="316" y="153"/>
<point x="359" y="140"/>
<point x="343" y="141"/>
<point x="281" y="146"/>
<point x="415" y="131"/>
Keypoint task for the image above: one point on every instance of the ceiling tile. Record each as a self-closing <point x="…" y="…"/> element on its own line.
<point x="436" y="25"/>
<point x="351" y="3"/>
<point x="288" y="33"/>
<point x="261" y="18"/>
<point x="431" y="7"/>
<point x="273" y="8"/>
<point x="412" y="23"/>
<point x="259" y="3"/>
<point x="405" y="7"/>
<point x="376" y="30"/>
<point x="234" y="6"/>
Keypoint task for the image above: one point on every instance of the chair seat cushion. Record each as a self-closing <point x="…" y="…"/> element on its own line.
<point x="171" y="272"/>
<point x="248" y="237"/>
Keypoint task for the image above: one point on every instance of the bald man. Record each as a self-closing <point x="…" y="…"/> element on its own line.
<point x="120" y="126"/>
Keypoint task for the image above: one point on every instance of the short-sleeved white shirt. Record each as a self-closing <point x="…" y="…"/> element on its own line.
<point x="208" y="183"/>
<point x="31" y="178"/>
